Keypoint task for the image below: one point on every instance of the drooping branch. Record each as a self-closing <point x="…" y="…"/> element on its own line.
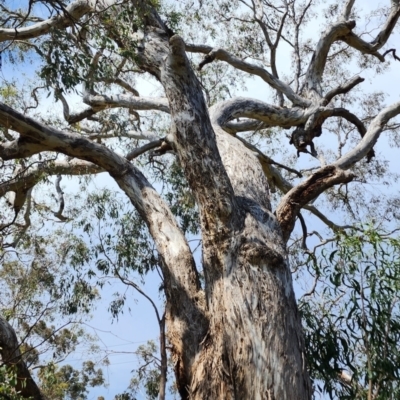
<point x="393" y="51"/>
<point x="61" y="202"/>
<point x="222" y="55"/>
<point x="304" y="134"/>
<point x="25" y="179"/>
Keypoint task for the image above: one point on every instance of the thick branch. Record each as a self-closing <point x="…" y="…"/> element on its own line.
<point x="72" y="14"/>
<point x="19" y="148"/>
<point x="317" y="65"/>
<point x="347" y="10"/>
<point x="306" y="191"/>
<point x="127" y="101"/>
<point x="223" y="112"/>
<point x="370" y="138"/>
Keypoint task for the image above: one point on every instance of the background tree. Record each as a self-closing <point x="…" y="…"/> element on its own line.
<point x="232" y="322"/>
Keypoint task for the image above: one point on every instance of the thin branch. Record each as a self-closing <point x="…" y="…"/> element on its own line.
<point x="342" y="89"/>
<point x="265" y="159"/>
<point x="221" y="54"/>
<point x="312" y="209"/>
<point x="122" y="83"/>
<point x="304" y="229"/>
<point x="140" y="150"/>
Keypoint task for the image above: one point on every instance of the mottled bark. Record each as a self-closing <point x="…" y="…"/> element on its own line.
<point x="253" y="347"/>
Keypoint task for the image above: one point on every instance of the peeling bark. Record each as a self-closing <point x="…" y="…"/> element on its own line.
<point x="248" y="282"/>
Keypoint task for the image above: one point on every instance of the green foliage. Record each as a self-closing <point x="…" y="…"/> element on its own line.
<point x="67" y="383"/>
<point x="38" y="292"/>
<point x="353" y="323"/>
<point x="8" y="383"/>
<point x="146" y="378"/>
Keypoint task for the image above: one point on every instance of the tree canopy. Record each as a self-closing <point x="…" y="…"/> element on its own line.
<point x="243" y="149"/>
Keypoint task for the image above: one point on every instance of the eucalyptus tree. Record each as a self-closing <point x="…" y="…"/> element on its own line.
<point x="232" y="323"/>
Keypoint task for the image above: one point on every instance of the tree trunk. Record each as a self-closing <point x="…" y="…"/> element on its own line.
<point x="253" y="348"/>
